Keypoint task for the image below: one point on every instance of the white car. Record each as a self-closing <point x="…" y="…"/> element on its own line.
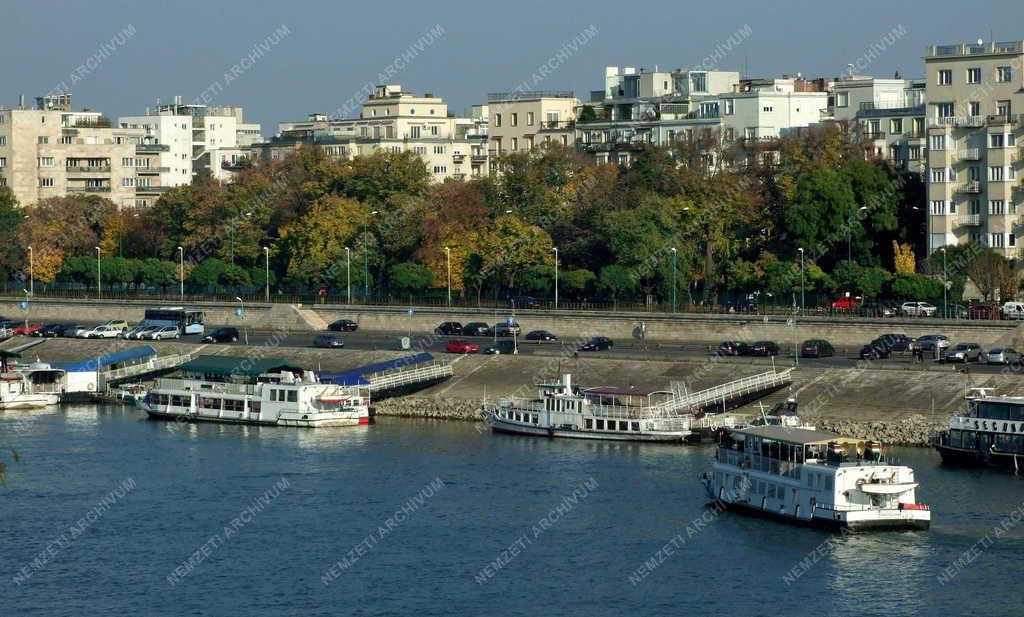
<point x="102" y="332"/>
<point x="918" y="309"/>
<point x="144" y="332"/>
<point x="162" y="333"/>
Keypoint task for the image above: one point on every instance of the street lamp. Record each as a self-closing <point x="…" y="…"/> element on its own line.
<point x="555" y="249"/>
<point x="348" y="272"/>
<point x="448" y="259"/>
<point x="99" y="287"/>
<point x="674" y="253"/>
<point x="181" y="272"/>
<point x="366" y="262"/>
<point x="31" y="273"/>
<point x="801" y="280"/>
<point x="945" y="284"/>
<point x="266" y="255"/>
<point x="241" y="316"/>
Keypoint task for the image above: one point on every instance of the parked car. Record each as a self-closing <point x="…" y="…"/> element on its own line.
<point x="461" y="346"/>
<point x="817" y="348"/>
<point x="896" y="342"/>
<point x="745" y="305"/>
<point x="128" y="333"/>
<point x="221" y="335"/>
<point x="27" y="329"/>
<point x="526" y="302"/>
<point x="963" y="352"/>
<point x="597" y="343"/>
<point x="733" y="348"/>
<point x="764" y="348"/>
<point x="142" y="332"/>
<point x="343" y="325"/>
<point x="120" y="324"/>
<point x="918" y="309"/>
<point x="507" y="327"/>
<point x="449" y="328"/>
<point x="875" y="308"/>
<point x="71" y="331"/>
<point x="163" y="332"/>
<point x="982" y="311"/>
<point x="874" y="350"/>
<point x="501" y="347"/>
<point x="50" y="330"/>
<point x="329" y="341"/>
<point x="1012" y="310"/>
<point x="929" y="342"/>
<point x="103" y="332"/>
<point x="845" y="303"/>
<point x="541" y="335"/>
<point x="1002" y="355"/>
<point x="476" y="328"/>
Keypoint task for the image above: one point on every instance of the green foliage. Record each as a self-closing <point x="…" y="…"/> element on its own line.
<point x="587" y="114"/>
<point x="576" y="283"/>
<point x="916" y="287"/>
<point x="618" y="281"/>
<point x="208" y="273"/>
<point x="871" y="281"/>
<point x="410" y="278"/>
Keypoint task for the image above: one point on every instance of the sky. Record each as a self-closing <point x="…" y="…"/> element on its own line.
<point x="284" y="60"/>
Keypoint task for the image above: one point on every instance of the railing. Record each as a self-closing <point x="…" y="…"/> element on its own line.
<point x="153" y="189"/>
<point x="154" y="364"/>
<point x="152" y="170"/>
<point x="969" y="154"/>
<point x="874" y="134"/>
<point x="198" y="386"/>
<point x="498" y="97"/>
<point x="991" y="47"/>
<point x="152" y="147"/>
<point x="1001" y="119"/>
<point x="405" y="377"/>
<point x="94" y="169"/>
<point x="957" y="121"/>
<point x="969" y="187"/>
<point x="968" y="220"/>
<point x="726" y="392"/>
<point x="756" y="462"/>
<point x="90" y="189"/>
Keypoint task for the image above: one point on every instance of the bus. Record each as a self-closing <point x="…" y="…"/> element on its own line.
<point x="189" y="321"/>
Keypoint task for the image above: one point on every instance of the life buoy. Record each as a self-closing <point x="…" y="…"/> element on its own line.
<point x="90" y="387"/>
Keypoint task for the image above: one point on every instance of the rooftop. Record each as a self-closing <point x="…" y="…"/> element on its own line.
<point x="975" y="49"/>
<point x="226" y="366"/>
<point x="528" y="95"/>
<point x="790" y="434"/>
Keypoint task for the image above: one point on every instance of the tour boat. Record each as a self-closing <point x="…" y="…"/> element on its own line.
<point x="243" y="391"/>
<point x="990" y="432"/>
<point x="813" y="478"/>
<point x="30" y="386"/>
<point x="564" y="410"/>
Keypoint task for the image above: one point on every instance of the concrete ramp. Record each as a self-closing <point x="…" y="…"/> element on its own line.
<point x="309" y="317"/>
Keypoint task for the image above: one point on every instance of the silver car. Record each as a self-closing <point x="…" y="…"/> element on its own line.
<point x="164" y="332"/>
<point x="963" y="352"/>
<point x="1002" y="355"/>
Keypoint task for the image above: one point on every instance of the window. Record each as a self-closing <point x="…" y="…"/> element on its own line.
<point x="1011" y="173"/>
<point x="939" y="174"/>
<point x="46" y="182"/>
<point x="43" y="140"/>
<point x="952" y="174"/>
<point x="433" y="130"/>
<point x="938" y="206"/>
<point x="952" y="206"/>
<point x="600" y="425"/>
<point x="842" y="99"/>
<point x="3" y="140"/>
<point x="293" y="396"/>
<point x="1003" y="108"/>
<point x="945" y="110"/>
<point x="515" y="144"/>
<point x="974" y="173"/>
<point x="127" y="162"/>
<point x="1012" y="240"/>
<point x="766" y="108"/>
<point x="1004" y="74"/>
<point x="729" y="107"/>
<point x="438" y="149"/>
<point x="128" y="182"/>
<point x="46" y="161"/>
<point x="975" y="237"/>
<point x="529" y="118"/>
<point x="996" y="241"/>
<point x="975" y="206"/>
<point x="497" y="119"/>
<point x="896" y="126"/>
<point x="995" y="174"/>
<point x="995" y="141"/>
<point x="945" y="77"/>
<point x="1011" y="140"/>
<point x="414" y="132"/>
<point x="420" y="149"/>
<point x="412" y="111"/>
<point x="3" y="162"/>
<point x="975" y="108"/>
<point x="914" y="153"/>
<point x="937" y="142"/>
<point x="974" y="76"/>
<point x="513" y="119"/>
<point x="996" y="206"/>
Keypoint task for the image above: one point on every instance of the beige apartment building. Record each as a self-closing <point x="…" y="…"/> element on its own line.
<point x="975" y="144"/>
<point x="51" y="151"/>
<point x="890" y="114"/>
<point x="521" y="121"/>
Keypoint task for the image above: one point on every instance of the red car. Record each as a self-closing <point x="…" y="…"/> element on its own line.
<point x="27" y="329"/>
<point x="846" y="303"/>
<point x="461" y="346"/>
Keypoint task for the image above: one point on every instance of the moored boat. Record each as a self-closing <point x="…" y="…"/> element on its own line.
<point x="813" y="478"/>
<point x="30" y="386"/>
<point x="989" y="432"/>
<point x="244" y="391"/>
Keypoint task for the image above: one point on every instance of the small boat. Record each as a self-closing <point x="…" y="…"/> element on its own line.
<point x="813" y="478"/>
<point x="268" y="391"/>
<point x="989" y="432"/>
<point x="564" y="410"/>
<point x="30" y="386"/>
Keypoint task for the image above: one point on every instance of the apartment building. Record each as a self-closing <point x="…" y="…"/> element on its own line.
<point x="890" y="114"/>
<point x="521" y="121"/>
<point x="396" y="121"/>
<point x="764" y="110"/>
<point x="51" y="151"/>
<point x="975" y="144"/>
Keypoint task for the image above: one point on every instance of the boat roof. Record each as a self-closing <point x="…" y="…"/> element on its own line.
<point x="110" y="359"/>
<point x="791" y="434"/>
<point x="1016" y="400"/>
<point x="617" y="391"/>
<point x="237" y="365"/>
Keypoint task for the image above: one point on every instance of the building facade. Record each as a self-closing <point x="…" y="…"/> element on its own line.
<point x="522" y="121"/>
<point x="975" y="96"/>
<point x="890" y="114"/>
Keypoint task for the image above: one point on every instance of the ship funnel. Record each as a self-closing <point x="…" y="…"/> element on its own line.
<point x="567" y="382"/>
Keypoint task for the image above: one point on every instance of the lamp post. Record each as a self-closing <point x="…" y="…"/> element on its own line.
<point x="366" y="262"/>
<point x="555" y="249"/>
<point x="181" y="272"/>
<point x="674" y="253"/>
<point x="945" y="286"/>
<point x="241" y="306"/>
<point x="266" y="255"/>
<point x="99" y="287"/>
<point x="448" y="260"/>
<point x="31" y="273"/>
<point x="801" y="280"/>
<point x="348" y="272"/>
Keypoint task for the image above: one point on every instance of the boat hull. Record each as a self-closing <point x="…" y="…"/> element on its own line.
<point x="499" y="426"/>
<point x="903" y="520"/>
<point x="966" y="457"/>
<point x="155" y="414"/>
<point x="30" y="401"/>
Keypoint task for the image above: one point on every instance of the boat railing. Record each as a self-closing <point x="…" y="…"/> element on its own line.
<point x="617" y="412"/>
<point x="755" y="462"/>
<point x="196" y="385"/>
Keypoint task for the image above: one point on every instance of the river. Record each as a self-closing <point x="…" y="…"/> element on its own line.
<point x="108" y="513"/>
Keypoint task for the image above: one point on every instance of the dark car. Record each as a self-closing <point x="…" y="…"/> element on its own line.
<point x="875" y="308"/>
<point x="541" y="335"/>
<point x="50" y="330"/>
<point x="597" y="343"/>
<point x="343" y="325"/>
<point x="817" y="348"/>
<point x="221" y="335"/>
<point x="449" y="328"/>
<point x="875" y="350"/>
<point x="70" y="330"/>
<point x="896" y="342"/>
<point x="764" y="348"/>
<point x="526" y="302"/>
<point x="501" y="347"/>
<point x="476" y="328"/>
<point x="329" y="341"/>
<point x="733" y="348"/>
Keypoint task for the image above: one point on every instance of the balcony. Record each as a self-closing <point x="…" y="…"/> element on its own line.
<point x="458" y="157"/>
<point x="478" y="159"/>
<point x="969" y="187"/>
<point x="874" y="135"/>
<point x="969" y="154"/>
<point x="557" y="125"/>
<point x="957" y="122"/>
<point x="152" y="189"/>
<point x="91" y="189"/>
<point x="88" y="170"/>
<point x="151" y="170"/>
<point x="151" y="148"/>
<point x="968" y="220"/>
<point x="1001" y="119"/>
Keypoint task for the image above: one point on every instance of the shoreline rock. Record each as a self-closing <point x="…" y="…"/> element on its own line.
<point x="916" y="430"/>
<point x="439" y="409"/>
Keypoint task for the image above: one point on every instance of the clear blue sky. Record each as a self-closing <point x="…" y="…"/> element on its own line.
<point x="334" y="48"/>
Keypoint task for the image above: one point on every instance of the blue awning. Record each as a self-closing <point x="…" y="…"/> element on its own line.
<point x="110" y="359"/>
<point x="354" y="377"/>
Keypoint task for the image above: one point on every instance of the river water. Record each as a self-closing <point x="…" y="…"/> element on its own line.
<point x="111" y="514"/>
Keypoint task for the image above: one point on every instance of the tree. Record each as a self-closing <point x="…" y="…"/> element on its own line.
<point x="577" y="282"/>
<point x="1007" y="281"/>
<point x="11" y="220"/>
<point x="904" y="258"/>
<point x="917" y="287"/>
<point x="618" y="281"/>
<point x="315" y="243"/>
<point x="410" y="278"/>
<point x="515" y="247"/>
<point x="207" y="273"/>
<point x="983" y="270"/>
<point x="587" y="114"/>
<point x="117" y="270"/>
<point x="871" y="281"/>
<point x="157" y="273"/>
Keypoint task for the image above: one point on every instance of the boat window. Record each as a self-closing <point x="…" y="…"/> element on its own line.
<point x="254" y="406"/>
<point x="210" y="403"/>
<point x="176" y="401"/>
<point x="600" y="425"/>
<point x="995" y="411"/>
<point x="623" y="425"/>
<point x="293" y="396"/>
<point x="636" y="426"/>
<point x="828" y="483"/>
<point x="970" y="440"/>
<point x="1017" y="444"/>
<point x="1017" y="412"/>
<point x="588" y="424"/>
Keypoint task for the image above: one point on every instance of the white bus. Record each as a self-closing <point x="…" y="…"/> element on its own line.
<point x="188" y="321"/>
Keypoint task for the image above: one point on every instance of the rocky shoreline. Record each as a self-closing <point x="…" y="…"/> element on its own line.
<point x="446" y="409"/>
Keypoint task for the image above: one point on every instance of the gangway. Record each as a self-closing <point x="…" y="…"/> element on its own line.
<point x="389" y="383"/>
<point x="729" y="395"/>
<point x="160" y="364"/>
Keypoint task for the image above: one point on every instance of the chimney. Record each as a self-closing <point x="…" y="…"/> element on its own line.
<point x="21" y="101"/>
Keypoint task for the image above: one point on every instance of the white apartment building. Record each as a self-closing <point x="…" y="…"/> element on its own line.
<point x="397" y="121"/>
<point x="52" y="151"/>
<point x="522" y="121"/>
<point x="975" y="130"/>
<point x="890" y="114"/>
<point x="769" y="109"/>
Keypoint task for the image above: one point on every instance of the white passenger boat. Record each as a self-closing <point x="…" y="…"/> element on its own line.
<point x="563" y="410"/>
<point x="989" y="432"/>
<point x="30" y="386"/>
<point x="243" y="391"/>
<point x="813" y="478"/>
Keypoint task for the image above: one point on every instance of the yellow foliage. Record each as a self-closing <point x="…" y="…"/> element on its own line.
<point x="904" y="258"/>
